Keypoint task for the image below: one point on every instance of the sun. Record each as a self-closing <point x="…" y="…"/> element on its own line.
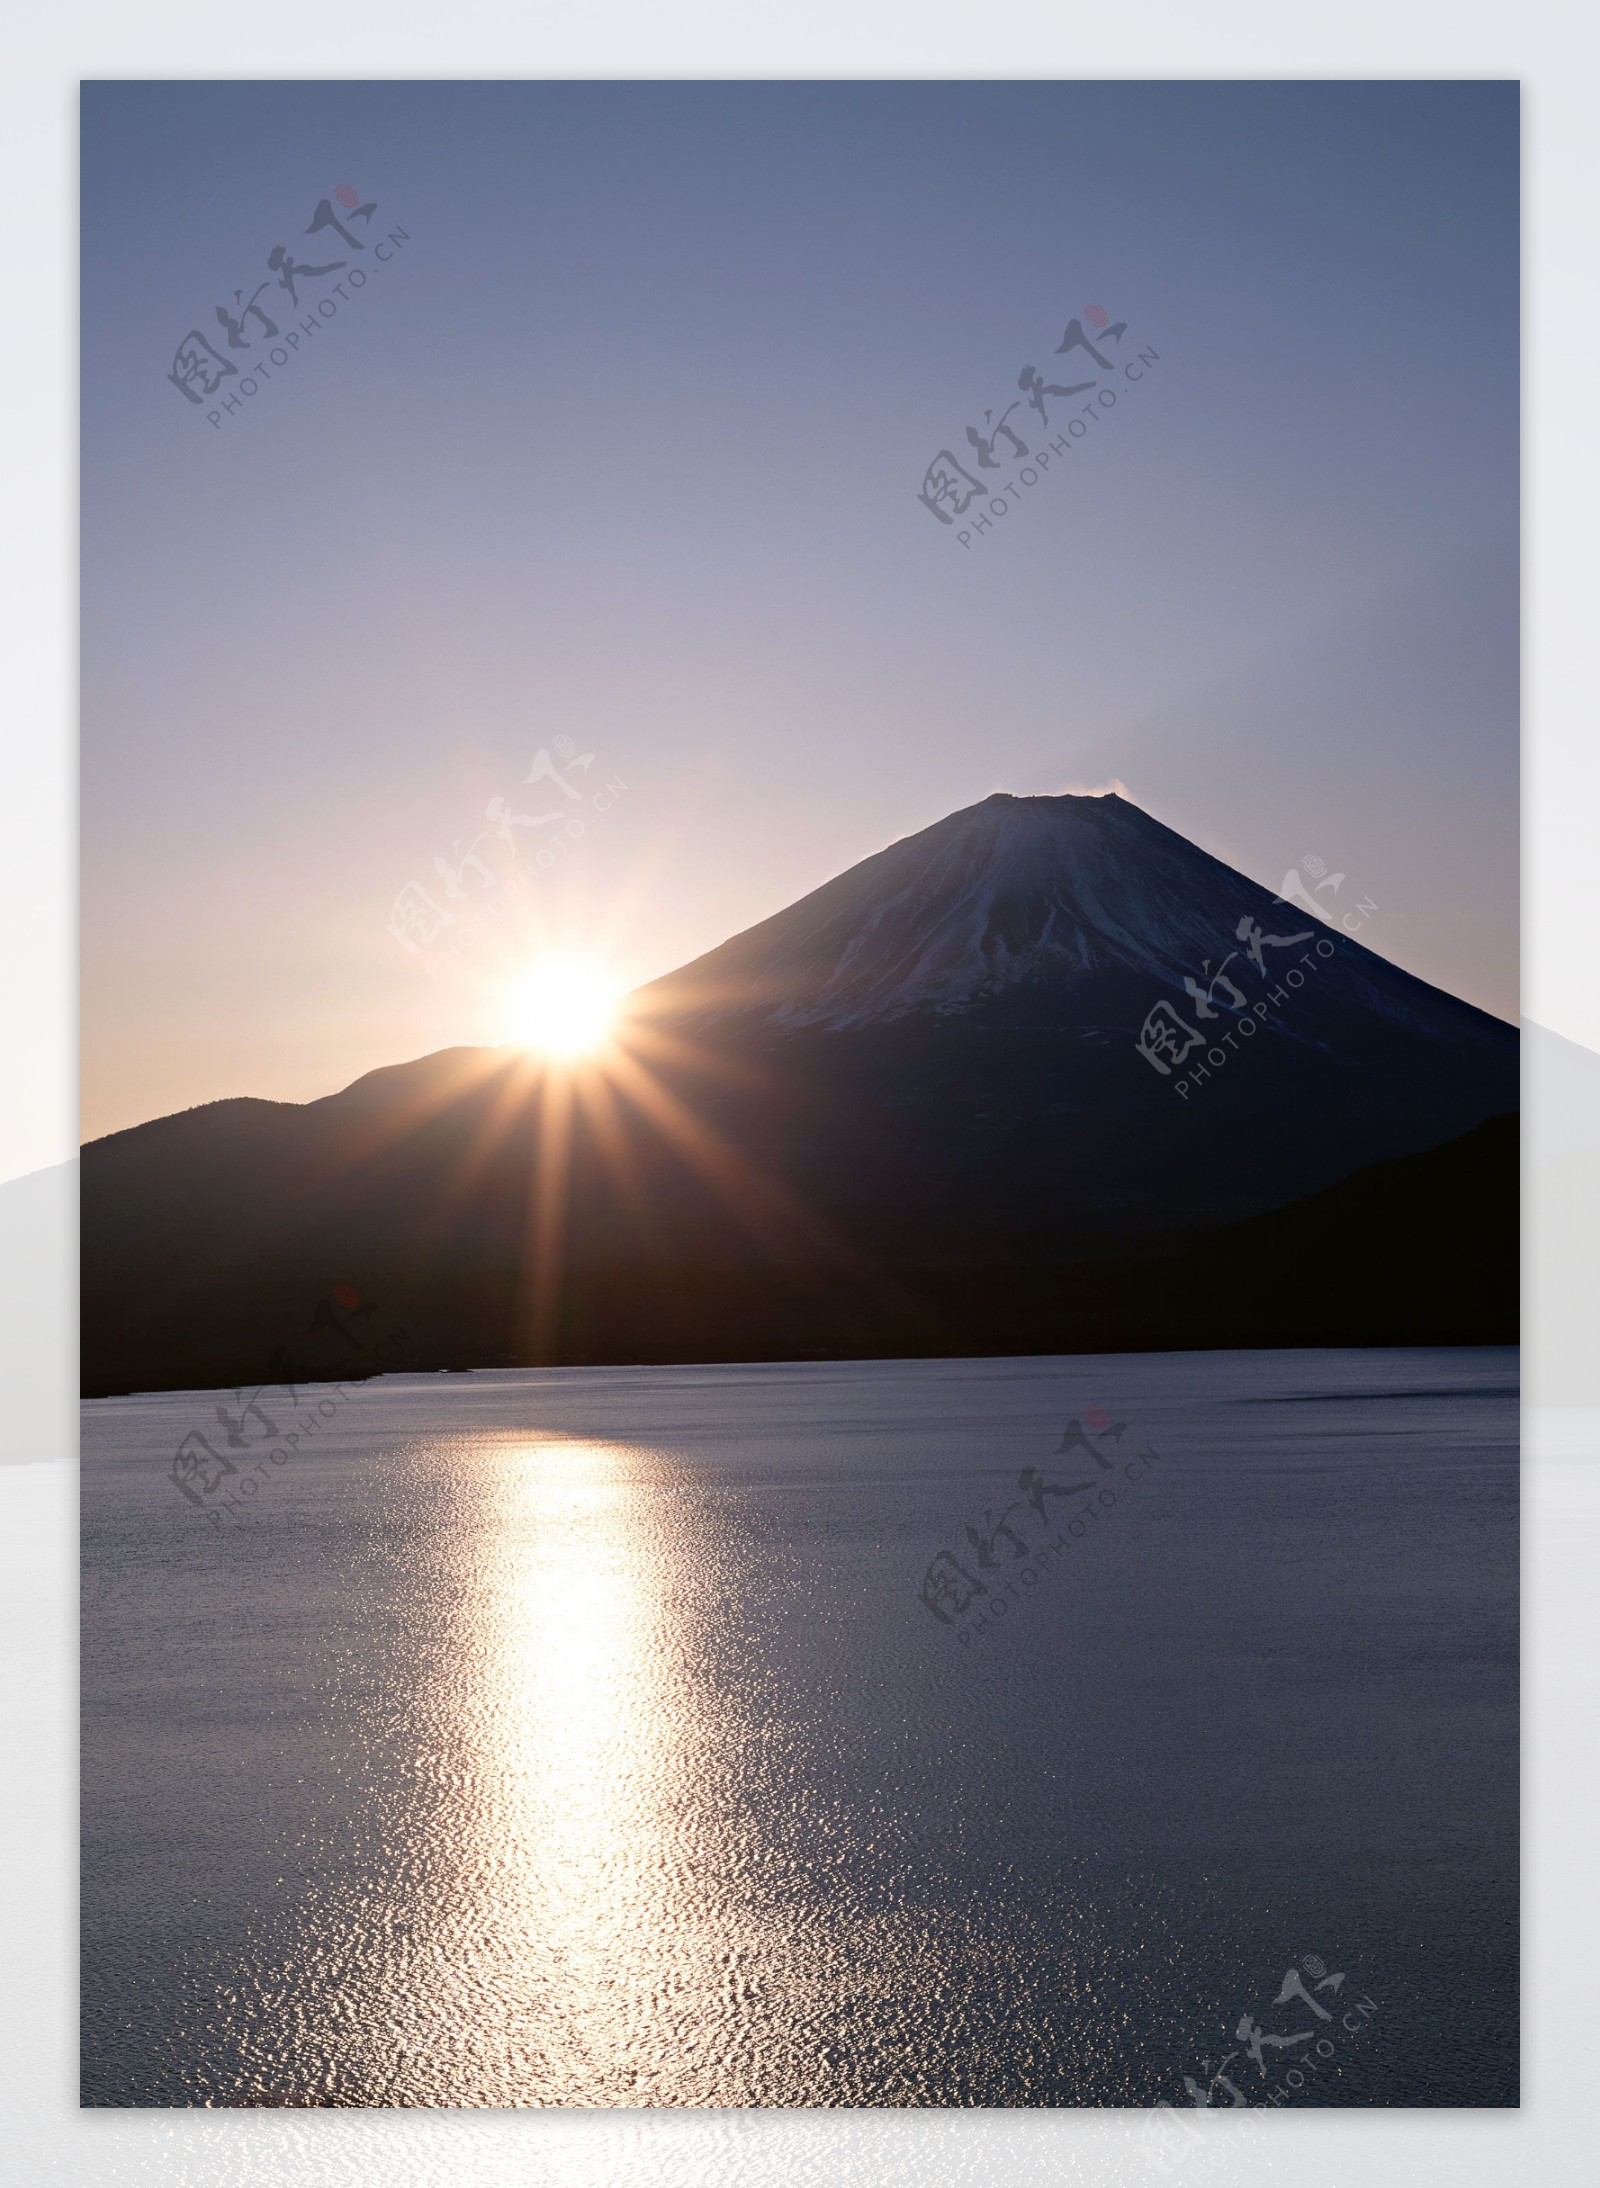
<point x="563" y="1006"/>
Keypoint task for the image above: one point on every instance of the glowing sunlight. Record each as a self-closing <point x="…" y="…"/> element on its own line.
<point x="561" y="1007"/>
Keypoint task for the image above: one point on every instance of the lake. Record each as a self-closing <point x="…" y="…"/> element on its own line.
<point x="817" y="1734"/>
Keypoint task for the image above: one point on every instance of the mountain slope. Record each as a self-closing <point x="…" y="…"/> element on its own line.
<point x="1073" y="895"/>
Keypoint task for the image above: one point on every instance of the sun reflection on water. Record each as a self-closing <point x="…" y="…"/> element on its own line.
<point x="585" y="1747"/>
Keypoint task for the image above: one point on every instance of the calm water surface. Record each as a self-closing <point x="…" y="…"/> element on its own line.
<point x="580" y="1737"/>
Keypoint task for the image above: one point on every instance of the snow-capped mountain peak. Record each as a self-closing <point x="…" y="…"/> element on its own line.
<point x="1047" y="893"/>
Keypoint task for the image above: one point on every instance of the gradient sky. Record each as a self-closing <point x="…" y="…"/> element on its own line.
<point x="624" y="446"/>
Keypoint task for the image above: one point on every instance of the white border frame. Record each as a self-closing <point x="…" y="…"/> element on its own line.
<point x="1552" y="49"/>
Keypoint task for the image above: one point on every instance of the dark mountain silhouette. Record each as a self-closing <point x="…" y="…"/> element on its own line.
<point x="908" y="1114"/>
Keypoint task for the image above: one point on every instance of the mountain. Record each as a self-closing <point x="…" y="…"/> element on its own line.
<point x="968" y="1003"/>
<point x="1015" y="902"/>
<point x="909" y="1113"/>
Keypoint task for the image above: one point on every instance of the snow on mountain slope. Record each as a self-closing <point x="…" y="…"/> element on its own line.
<point x="1063" y="893"/>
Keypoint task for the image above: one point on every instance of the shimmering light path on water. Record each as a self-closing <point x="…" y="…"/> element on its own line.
<point x="579" y="1738"/>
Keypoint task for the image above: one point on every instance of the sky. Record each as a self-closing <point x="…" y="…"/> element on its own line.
<point x="616" y="452"/>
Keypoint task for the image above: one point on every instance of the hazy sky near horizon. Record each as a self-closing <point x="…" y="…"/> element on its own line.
<point x="623" y="445"/>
